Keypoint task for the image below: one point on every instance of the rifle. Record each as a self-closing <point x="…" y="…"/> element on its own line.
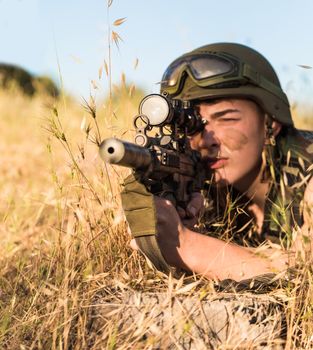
<point x="162" y="157"/>
<point x="161" y="154"/>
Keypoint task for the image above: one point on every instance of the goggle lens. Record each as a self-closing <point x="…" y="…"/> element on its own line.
<point x="172" y="73"/>
<point x="208" y="67"/>
<point x="201" y="67"/>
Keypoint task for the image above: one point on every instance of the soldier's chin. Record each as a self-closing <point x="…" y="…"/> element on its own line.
<point x="220" y="181"/>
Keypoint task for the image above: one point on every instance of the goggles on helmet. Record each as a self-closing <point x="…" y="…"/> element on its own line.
<point x="214" y="70"/>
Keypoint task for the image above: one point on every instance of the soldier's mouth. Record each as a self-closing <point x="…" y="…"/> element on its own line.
<point x="217" y="163"/>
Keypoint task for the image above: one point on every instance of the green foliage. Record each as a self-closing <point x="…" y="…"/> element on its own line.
<point x="12" y="76"/>
<point x="46" y="85"/>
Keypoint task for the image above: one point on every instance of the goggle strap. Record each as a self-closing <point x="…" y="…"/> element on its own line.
<point x="254" y="76"/>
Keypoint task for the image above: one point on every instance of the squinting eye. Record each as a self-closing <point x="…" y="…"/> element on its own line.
<point x="228" y="119"/>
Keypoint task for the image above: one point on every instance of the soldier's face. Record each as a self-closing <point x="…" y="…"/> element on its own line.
<point x="232" y="141"/>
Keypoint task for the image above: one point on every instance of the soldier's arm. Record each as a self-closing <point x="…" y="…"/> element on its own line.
<point x="209" y="256"/>
<point x="215" y="258"/>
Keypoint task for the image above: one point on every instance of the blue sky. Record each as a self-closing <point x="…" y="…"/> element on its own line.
<point x="33" y="33"/>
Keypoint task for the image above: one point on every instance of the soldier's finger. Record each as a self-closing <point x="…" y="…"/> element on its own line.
<point x="181" y="212"/>
<point x="195" y="205"/>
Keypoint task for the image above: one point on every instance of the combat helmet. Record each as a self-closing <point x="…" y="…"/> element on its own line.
<point x="224" y="70"/>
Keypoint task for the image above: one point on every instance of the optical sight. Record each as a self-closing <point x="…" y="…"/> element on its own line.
<point x="160" y="110"/>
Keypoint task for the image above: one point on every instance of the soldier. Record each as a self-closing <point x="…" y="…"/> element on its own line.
<point x="251" y="224"/>
<point x="261" y="191"/>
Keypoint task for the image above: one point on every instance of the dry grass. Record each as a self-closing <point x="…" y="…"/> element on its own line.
<point x="62" y="232"/>
<point x="303" y="120"/>
<point x="59" y="220"/>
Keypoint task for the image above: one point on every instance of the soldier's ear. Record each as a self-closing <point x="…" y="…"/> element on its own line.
<point x="276" y="127"/>
<point x="272" y="129"/>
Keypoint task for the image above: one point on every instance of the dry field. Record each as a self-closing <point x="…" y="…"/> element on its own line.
<point x="63" y="237"/>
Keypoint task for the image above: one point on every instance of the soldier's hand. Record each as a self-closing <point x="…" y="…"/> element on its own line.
<point x="154" y="224"/>
<point x="194" y="209"/>
<point x="139" y="207"/>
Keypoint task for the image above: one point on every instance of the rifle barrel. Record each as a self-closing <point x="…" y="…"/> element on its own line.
<point x="115" y="151"/>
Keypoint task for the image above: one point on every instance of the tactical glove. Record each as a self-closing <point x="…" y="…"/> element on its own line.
<point x="140" y="211"/>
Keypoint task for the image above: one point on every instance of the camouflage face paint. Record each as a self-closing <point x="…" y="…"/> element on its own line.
<point x="234" y="140"/>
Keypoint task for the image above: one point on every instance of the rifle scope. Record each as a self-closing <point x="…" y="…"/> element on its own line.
<point x="161" y="110"/>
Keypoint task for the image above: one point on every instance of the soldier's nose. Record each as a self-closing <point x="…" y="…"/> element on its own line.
<point x="209" y="139"/>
